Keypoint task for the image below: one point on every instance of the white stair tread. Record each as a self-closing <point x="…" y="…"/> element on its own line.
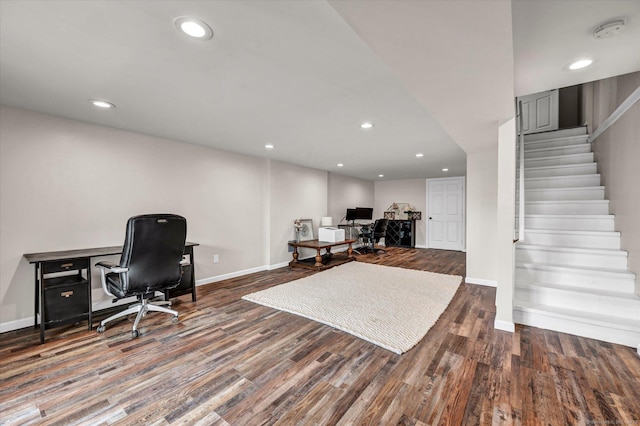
<point x="582" y="316"/>
<point x="570" y="216"/>
<point x="552" y="266"/>
<point x="554" y="148"/>
<point x="567" y="202"/>
<point x="555" y="157"/>
<point x="608" y="252"/>
<point x="542" y="178"/>
<point x="575" y="232"/>
<point x="577" y="289"/>
<point x="566" y="138"/>
<point x="565" y="188"/>
<point x="557" y="166"/>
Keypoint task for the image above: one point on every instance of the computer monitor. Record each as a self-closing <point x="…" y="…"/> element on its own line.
<point x="364" y="213"/>
<point x="351" y="215"/>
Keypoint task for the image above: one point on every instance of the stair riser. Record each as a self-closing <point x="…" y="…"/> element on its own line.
<point x="561" y="182"/>
<point x="562" y="150"/>
<point x="576" y="300"/>
<point x="559" y="161"/>
<point x="555" y="143"/>
<point x="571" y="223"/>
<point x="578" y="259"/>
<point x="550" y="194"/>
<point x="602" y="281"/>
<point x="556" y="134"/>
<point x="574" y="169"/>
<point x="570" y="240"/>
<point x="578" y="328"/>
<point x="566" y="208"/>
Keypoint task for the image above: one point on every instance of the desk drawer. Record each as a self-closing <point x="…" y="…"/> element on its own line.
<point x="66" y="301"/>
<point x="65" y="265"/>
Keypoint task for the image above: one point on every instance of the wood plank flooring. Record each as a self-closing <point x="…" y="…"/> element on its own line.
<point x="232" y="362"/>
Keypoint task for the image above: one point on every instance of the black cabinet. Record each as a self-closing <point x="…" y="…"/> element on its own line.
<point x="65" y="293"/>
<point x="401" y="233"/>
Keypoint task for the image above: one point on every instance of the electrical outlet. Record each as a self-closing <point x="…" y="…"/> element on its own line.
<point x="216" y="258"/>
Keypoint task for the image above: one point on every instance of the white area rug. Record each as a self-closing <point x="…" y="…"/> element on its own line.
<point x="390" y="307"/>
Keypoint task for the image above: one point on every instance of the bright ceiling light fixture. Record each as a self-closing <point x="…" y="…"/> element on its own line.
<point x="419" y="155"/>
<point x="445" y="170"/>
<point x="380" y="175"/>
<point x="194" y="27"/>
<point x="340" y="165"/>
<point x="578" y="65"/>
<point x="366" y="125"/>
<point x="269" y="146"/>
<point x="101" y="104"/>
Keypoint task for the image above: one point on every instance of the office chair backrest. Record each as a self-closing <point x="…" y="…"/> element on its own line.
<point x="380" y="227"/>
<point x="153" y="248"/>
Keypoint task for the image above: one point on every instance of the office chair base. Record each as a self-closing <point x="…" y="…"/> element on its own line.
<point x="141" y="309"/>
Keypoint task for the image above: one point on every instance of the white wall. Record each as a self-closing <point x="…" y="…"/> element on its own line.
<point x="412" y="191"/>
<point x="295" y="193"/>
<point x="347" y="192"/>
<point x="505" y="225"/>
<point x="617" y="153"/>
<point x="66" y="184"/>
<point x="482" y="197"/>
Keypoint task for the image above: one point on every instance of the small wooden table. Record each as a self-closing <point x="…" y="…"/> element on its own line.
<point x="325" y="261"/>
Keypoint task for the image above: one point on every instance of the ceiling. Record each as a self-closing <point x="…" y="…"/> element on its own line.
<point x="435" y="77"/>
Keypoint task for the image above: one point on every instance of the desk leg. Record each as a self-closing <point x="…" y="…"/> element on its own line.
<point x="36" y="297"/>
<point x="295" y="254"/>
<point x="350" y="251"/>
<point x="90" y="311"/>
<point x="318" y="258"/>
<point x="42" y="318"/>
<point x="193" y="274"/>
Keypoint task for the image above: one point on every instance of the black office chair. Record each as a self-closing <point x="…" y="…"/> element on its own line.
<point x="372" y="235"/>
<point x="150" y="262"/>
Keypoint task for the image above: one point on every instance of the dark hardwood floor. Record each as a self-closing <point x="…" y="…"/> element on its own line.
<point x="230" y="361"/>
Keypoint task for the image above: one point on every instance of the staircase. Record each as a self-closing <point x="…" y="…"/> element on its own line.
<point x="571" y="275"/>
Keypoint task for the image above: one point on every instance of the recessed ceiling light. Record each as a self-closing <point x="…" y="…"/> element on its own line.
<point x="194" y="27"/>
<point x="340" y="164"/>
<point x="366" y="125"/>
<point x="578" y="65"/>
<point x="445" y="170"/>
<point x="419" y="155"/>
<point x="269" y="146"/>
<point x="380" y="175"/>
<point x="101" y="104"/>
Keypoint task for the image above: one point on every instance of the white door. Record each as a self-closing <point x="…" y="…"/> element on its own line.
<point x="540" y="112"/>
<point x="445" y="213"/>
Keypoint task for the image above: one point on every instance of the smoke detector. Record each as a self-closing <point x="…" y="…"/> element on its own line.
<point x="609" y="29"/>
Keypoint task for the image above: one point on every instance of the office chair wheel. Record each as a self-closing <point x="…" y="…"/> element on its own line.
<point x="174" y="319"/>
<point x="100" y="329"/>
<point x="134" y="334"/>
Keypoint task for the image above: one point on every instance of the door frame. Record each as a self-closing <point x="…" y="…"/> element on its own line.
<point x="462" y="179"/>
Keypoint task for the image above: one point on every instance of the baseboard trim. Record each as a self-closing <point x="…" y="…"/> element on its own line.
<point x="277" y="266"/>
<point x="504" y="325"/>
<point x="16" y="324"/>
<point x="481" y="281"/>
<point x="236" y="274"/>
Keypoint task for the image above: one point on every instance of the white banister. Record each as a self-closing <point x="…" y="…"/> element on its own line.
<point x="619" y="112"/>
<point x="521" y="236"/>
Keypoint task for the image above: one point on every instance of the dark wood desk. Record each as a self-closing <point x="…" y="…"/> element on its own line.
<point x="66" y="299"/>
<point x="321" y="262"/>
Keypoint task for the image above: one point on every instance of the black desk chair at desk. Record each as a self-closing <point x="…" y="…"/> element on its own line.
<point x="372" y="235"/>
<point x="150" y="262"/>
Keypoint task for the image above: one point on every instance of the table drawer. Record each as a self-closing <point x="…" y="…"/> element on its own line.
<point x="65" y="265"/>
<point x="67" y="301"/>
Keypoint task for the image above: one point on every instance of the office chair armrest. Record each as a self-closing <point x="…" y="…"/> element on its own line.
<point x="110" y="267"/>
